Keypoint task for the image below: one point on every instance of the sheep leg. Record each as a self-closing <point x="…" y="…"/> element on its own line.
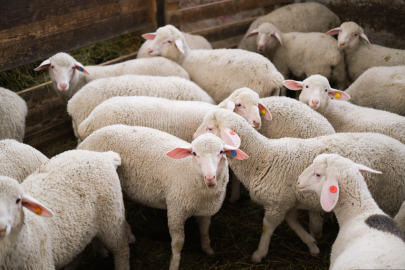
<point x="99" y="248"/>
<point x="270" y="223"/>
<point x="204" y="225"/>
<point x="315" y="224"/>
<point x="235" y="191"/>
<point x="292" y="221"/>
<point x="75" y="263"/>
<point x="176" y="228"/>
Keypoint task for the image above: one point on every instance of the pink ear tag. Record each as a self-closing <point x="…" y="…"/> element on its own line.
<point x="333" y="189"/>
<point x="337" y="95"/>
<point x="232" y="132"/>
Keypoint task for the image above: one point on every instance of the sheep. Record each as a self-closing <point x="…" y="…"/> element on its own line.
<point x="360" y="55"/>
<point x="218" y="72"/>
<point x="13" y="111"/>
<point x="189" y="187"/>
<point x="83" y="190"/>
<point x="368" y="238"/>
<point x="271" y="180"/>
<point x="18" y="160"/>
<point x="302" y="17"/>
<point x="195" y="42"/>
<point x="67" y="81"/>
<point x="344" y="116"/>
<point x="94" y="93"/>
<point x="177" y="117"/>
<point x="400" y="217"/>
<point x="301" y="54"/>
<point x="380" y="88"/>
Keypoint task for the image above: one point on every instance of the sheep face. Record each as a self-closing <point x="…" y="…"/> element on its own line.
<point x="208" y="157"/>
<point x="167" y="42"/>
<point x="267" y="34"/>
<point x="350" y="34"/>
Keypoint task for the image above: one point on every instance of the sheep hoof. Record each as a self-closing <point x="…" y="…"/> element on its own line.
<point x="314" y="251"/>
<point x="256" y="257"/>
<point x="209" y="251"/>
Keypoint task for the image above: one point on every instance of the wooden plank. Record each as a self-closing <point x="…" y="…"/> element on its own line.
<point x="225" y="31"/>
<point x="231" y="42"/>
<point x="213" y="10"/>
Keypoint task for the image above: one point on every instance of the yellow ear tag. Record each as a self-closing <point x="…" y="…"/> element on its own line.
<point x="263" y="111"/>
<point x="337" y="95"/>
<point x="38" y="210"/>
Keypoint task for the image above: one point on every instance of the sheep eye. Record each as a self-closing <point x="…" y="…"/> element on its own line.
<point x="326" y="90"/>
<point x="209" y="128"/>
<point x="221" y="152"/>
<point x="52" y="67"/>
<point x="73" y="67"/>
<point x="194" y="154"/>
<point x="307" y="86"/>
<point x="318" y="175"/>
<point x="18" y="201"/>
<point x="169" y="41"/>
<point x="355" y="35"/>
<point x="239" y="105"/>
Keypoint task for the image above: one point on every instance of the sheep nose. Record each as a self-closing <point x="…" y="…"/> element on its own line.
<point x="3" y="232"/>
<point x="341" y="44"/>
<point x="63" y="86"/>
<point x="210" y="178"/>
<point x="257" y="125"/>
<point x="315" y="102"/>
<point x="260" y="48"/>
<point x="150" y="51"/>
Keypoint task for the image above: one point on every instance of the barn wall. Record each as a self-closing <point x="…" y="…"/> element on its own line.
<point x="383" y="20"/>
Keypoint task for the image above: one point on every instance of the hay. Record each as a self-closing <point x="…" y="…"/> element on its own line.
<point x="23" y="77"/>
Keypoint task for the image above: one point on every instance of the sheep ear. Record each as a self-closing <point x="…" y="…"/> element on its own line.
<point x="235" y="152"/>
<point x="36" y="207"/>
<point x="149" y="36"/>
<point x="362" y="35"/>
<point x="80" y="67"/>
<point x="253" y="33"/>
<point x="363" y="168"/>
<point x="231" y="105"/>
<point x="333" y="31"/>
<point x="264" y="111"/>
<point x="179" y="44"/>
<point x="180" y="152"/>
<point x="230" y="137"/>
<point x="339" y="95"/>
<point x="330" y="193"/>
<point x="293" y="85"/>
<point x="277" y="35"/>
<point x="43" y="65"/>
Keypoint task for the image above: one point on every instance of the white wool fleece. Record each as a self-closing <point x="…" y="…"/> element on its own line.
<point x="185" y="186"/>
<point x="344" y="116"/>
<point x="381" y="88"/>
<point x="368" y="238"/>
<point x="69" y="76"/>
<point x="300" y="17"/>
<point x="94" y="93"/>
<point x="219" y="72"/>
<point x="13" y="111"/>
<point x="271" y="172"/>
<point x="82" y="192"/>
<point x="18" y="160"/>
<point x="360" y="55"/>
<point x="177" y="117"/>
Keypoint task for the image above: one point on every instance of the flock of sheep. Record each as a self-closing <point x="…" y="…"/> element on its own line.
<point x="164" y="130"/>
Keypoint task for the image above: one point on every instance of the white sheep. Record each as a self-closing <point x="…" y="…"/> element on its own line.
<point x="13" y="111"/>
<point x="177" y="117"/>
<point x="344" y="116"/>
<point x="83" y="190"/>
<point x="67" y="81"/>
<point x="368" y="238"/>
<point x="18" y="160"/>
<point x="380" y="88"/>
<point x="301" y="17"/>
<point x="219" y="72"/>
<point x="400" y="217"/>
<point x="271" y="172"/>
<point x="94" y="93"/>
<point x="301" y="54"/>
<point x="195" y="42"/>
<point x="188" y="187"/>
<point x="360" y="55"/>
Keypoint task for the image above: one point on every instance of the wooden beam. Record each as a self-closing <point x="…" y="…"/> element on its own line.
<point x="213" y="10"/>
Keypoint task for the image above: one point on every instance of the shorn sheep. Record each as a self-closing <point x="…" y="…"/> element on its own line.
<point x="219" y="72"/>
<point x="94" y="93"/>
<point x="271" y="172"/>
<point x="344" y="116"/>
<point x="360" y="54"/>
<point x="368" y="238"/>
<point x="67" y="80"/>
<point x="18" y="160"/>
<point x="195" y="42"/>
<point x="381" y="88"/>
<point x="294" y="18"/>
<point x="195" y="185"/>
<point x="13" y="111"/>
<point x="81" y="191"/>
<point x="301" y="54"/>
<point x="177" y="117"/>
